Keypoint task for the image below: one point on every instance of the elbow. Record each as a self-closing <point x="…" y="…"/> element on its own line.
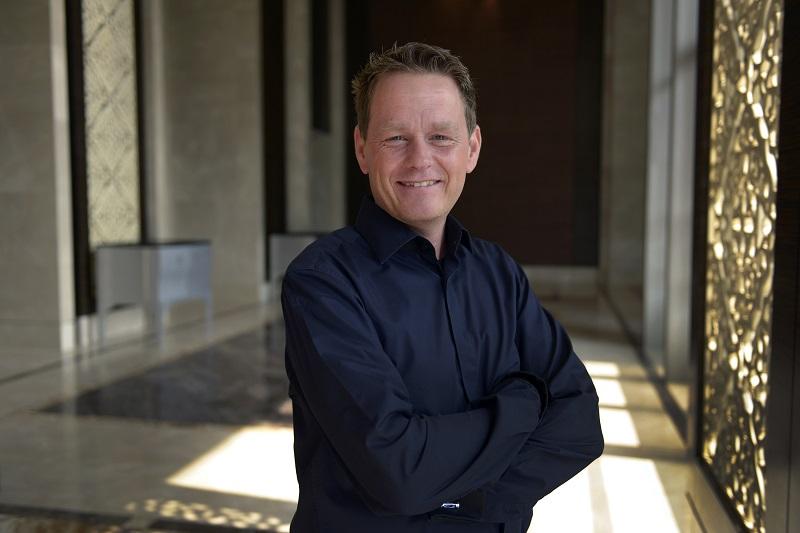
<point x="589" y="450"/>
<point x="597" y="443"/>
<point x="597" y="447"/>
<point x="590" y="443"/>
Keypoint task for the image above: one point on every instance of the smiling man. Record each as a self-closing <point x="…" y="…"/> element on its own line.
<point x="431" y="390"/>
<point x="419" y="150"/>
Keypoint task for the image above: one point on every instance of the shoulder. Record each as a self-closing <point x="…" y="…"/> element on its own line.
<point x="333" y="255"/>
<point x="495" y="255"/>
<point x="329" y="269"/>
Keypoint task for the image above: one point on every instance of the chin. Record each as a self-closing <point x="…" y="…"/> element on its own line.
<point x="418" y="218"/>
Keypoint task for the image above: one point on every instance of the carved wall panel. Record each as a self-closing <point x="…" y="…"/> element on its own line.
<point x="111" y="121"/>
<point x="741" y="219"/>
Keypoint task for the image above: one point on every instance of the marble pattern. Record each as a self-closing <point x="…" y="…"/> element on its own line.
<point x="112" y="150"/>
<point x="14" y="523"/>
<point x="239" y="381"/>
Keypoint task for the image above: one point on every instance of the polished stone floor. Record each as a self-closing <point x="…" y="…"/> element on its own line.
<point x="195" y="435"/>
<point x="238" y="381"/>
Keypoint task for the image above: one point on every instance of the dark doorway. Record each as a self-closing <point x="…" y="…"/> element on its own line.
<point x="274" y="123"/>
<point x="538" y="73"/>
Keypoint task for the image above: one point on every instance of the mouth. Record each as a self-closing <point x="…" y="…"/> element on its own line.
<point x="419" y="184"/>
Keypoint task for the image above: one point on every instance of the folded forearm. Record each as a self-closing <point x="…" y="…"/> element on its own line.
<point x="567" y="439"/>
<point x="409" y="464"/>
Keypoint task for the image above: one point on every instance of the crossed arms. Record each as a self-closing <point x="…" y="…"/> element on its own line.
<point x="537" y="428"/>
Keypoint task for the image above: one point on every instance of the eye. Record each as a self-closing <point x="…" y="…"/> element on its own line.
<point x="396" y="139"/>
<point x="441" y="140"/>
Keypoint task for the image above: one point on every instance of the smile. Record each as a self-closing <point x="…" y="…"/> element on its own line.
<point x="426" y="183"/>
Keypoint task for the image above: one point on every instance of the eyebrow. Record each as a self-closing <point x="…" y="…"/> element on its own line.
<point x="393" y="126"/>
<point x="446" y="125"/>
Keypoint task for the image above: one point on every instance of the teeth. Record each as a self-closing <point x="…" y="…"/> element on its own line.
<point x="427" y="183"/>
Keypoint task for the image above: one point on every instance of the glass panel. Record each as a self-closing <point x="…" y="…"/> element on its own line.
<point x="741" y="217"/>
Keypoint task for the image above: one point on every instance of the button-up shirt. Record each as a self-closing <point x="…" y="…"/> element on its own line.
<point x="428" y="395"/>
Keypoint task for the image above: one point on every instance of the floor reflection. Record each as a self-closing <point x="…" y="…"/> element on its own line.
<point x="10" y="523"/>
<point x="201" y="440"/>
<point x="239" y="381"/>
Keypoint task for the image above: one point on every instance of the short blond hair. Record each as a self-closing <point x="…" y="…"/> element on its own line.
<point x="415" y="58"/>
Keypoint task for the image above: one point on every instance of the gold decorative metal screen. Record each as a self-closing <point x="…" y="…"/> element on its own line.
<point x="112" y="154"/>
<point x="741" y="220"/>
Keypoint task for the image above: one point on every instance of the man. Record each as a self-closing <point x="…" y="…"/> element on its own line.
<point x="431" y="391"/>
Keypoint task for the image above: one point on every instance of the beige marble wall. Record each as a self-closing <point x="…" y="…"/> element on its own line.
<point x="36" y="293"/>
<point x="315" y="160"/>
<point x="205" y="167"/>
<point x="326" y="194"/>
<point x="299" y="136"/>
<point x="624" y="155"/>
<point x="670" y="182"/>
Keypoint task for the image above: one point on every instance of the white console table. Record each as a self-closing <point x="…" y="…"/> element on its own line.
<point x="153" y="275"/>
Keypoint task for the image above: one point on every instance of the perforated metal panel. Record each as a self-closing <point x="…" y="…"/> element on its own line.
<point x="743" y="182"/>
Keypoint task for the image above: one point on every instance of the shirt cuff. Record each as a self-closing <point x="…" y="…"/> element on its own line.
<point x="470" y="508"/>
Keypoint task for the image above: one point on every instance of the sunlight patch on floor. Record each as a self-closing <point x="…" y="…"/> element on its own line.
<point x="618" y="428"/>
<point x="557" y="511"/>
<point x="636" y="496"/>
<point x="610" y="392"/>
<point x="245" y="464"/>
<point x="602" y="369"/>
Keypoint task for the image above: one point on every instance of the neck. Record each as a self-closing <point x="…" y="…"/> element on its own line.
<point x="434" y="234"/>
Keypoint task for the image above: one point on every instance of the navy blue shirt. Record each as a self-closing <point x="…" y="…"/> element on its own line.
<point x="428" y="396"/>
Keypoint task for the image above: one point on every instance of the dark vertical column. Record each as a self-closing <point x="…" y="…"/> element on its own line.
<point x="77" y="127"/>
<point x="320" y="73"/>
<point x="274" y="121"/>
<point x="357" y="17"/>
<point x="705" y="47"/>
<point x="144" y="233"/>
<point x="783" y="403"/>
<point x="588" y="106"/>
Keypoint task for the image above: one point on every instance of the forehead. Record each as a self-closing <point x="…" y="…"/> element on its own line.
<point x="402" y="93"/>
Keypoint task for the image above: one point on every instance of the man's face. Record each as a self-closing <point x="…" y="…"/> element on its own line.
<point x="417" y="151"/>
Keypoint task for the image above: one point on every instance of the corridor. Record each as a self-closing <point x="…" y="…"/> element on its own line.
<point x="196" y="436"/>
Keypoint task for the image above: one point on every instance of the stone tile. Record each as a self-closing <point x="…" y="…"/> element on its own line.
<point x="175" y="437"/>
<point x="239" y="381"/>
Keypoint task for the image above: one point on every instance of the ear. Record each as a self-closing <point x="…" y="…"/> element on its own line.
<point x="474" y="149"/>
<point x="360" y="145"/>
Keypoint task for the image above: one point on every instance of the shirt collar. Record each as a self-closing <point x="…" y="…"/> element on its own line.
<point x="386" y="235"/>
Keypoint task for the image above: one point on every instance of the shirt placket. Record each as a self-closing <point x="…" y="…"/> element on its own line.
<point x="465" y="356"/>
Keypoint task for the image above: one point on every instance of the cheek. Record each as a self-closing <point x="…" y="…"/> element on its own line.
<point x="456" y="165"/>
<point x="388" y="166"/>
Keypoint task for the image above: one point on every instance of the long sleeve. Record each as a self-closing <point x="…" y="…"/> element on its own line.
<point x="568" y="438"/>
<point x="402" y="462"/>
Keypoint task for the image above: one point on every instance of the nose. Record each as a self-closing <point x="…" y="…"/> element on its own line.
<point x="419" y="154"/>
